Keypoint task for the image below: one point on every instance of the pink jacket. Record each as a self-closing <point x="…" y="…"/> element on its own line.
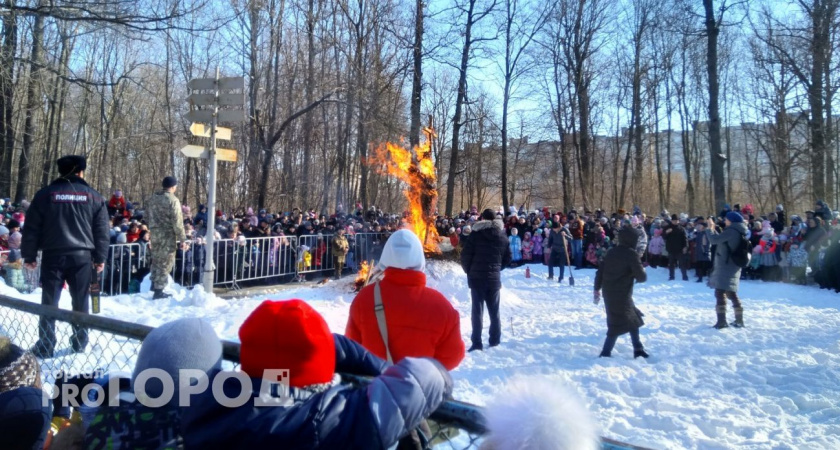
<point x="656" y="245"/>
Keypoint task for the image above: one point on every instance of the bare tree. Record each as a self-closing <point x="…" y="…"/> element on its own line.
<point x="473" y="17"/>
<point x="522" y="21"/>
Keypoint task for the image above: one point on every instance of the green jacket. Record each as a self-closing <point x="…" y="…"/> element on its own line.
<point x="166" y="224"/>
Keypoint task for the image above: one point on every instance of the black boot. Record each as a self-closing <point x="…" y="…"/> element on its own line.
<point x="640" y="352"/>
<point x="475" y="347"/>
<point x="721" y="321"/>
<point x="42" y="350"/>
<point x="159" y="294"/>
<point x="605" y="354"/>
<point x="739" y="318"/>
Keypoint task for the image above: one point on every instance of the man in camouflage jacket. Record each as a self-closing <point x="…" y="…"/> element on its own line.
<point x="166" y="226"/>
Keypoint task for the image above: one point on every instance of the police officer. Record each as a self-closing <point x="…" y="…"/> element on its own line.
<point x="166" y="226"/>
<point x="68" y="222"/>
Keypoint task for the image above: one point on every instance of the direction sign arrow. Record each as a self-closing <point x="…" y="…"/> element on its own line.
<point x="193" y="151"/>
<point x="226" y="154"/>
<point x="200" y="130"/>
<point x="210" y="99"/>
<point x="204" y="115"/>
<point x="202" y="99"/>
<point x="225" y="84"/>
<point x="230" y="115"/>
<point x="197" y="151"/>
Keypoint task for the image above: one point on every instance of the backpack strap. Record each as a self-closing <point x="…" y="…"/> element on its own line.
<point x="379" y="309"/>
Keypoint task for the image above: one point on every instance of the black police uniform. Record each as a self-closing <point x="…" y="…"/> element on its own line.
<point x="68" y="222"/>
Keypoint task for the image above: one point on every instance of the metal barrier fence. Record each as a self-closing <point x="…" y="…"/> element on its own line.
<point x="268" y="258"/>
<point x="320" y="254"/>
<point x="239" y="262"/>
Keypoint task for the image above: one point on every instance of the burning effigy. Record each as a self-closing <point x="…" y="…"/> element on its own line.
<point x="417" y="170"/>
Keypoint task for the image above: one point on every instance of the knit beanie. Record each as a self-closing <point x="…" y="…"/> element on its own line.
<point x="734" y="217"/>
<point x="169" y="182"/>
<point x="188" y="343"/>
<point x="18" y="368"/>
<point x="15" y="240"/>
<point x="488" y="214"/>
<point x="288" y="335"/>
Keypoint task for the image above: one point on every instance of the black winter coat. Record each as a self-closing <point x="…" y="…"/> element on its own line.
<point x="67" y="217"/>
<point x="616" y="274"/>
<point x="485" y="254"/>
<point x="676" y="240"/>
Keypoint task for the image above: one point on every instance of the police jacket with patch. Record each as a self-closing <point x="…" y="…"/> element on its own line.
<point x="66" y="217"/>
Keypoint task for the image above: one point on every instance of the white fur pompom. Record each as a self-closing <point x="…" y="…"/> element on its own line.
<point x="534" y="413"/>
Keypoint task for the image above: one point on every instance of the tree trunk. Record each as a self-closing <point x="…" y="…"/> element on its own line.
<point x="636" y="115"/>
<point x="657" y="149"/>
<point x="626" y="166"/>
<point x="32" y="106"/>
<point x="459" y="102"/>
<point x="417" y="77"/>
<point x="57" y="103"/>
<point x="716" y="153"/>
<point x="8" y="51"/>
<point x="309" y="89"/>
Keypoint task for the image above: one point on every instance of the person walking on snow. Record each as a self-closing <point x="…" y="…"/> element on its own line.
<point x="676" y="242"/>
<point x="726" y="273"/>
<point x="559" y="251"/>
<point x="617" y="273"/>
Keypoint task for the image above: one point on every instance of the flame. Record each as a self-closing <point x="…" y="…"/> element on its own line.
<point x="419" y="175"/>
<point x="362" y="276"/>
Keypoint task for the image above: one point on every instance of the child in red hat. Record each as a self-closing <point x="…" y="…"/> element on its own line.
<point x="318" y="413"/>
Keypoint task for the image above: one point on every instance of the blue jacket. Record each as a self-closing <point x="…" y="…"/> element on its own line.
<point x="24" y="421"/>
<point x="702" y="247"/>
<point x="369" y="417"/>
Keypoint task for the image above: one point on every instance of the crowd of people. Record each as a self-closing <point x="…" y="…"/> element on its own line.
<point x="796" y="249"/>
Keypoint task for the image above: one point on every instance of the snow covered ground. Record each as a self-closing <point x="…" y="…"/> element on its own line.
<point x="774" y="384"/>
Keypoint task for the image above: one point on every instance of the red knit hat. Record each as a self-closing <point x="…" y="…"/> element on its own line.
<point x="288" y="335"/>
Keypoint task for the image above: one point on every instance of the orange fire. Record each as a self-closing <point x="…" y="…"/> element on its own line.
<point x="419" y="174"/>
<point x="362" y="276"/>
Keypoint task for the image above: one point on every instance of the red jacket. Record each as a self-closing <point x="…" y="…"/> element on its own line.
<point x="421" y="322"/>
<point x="117" y="203"/>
